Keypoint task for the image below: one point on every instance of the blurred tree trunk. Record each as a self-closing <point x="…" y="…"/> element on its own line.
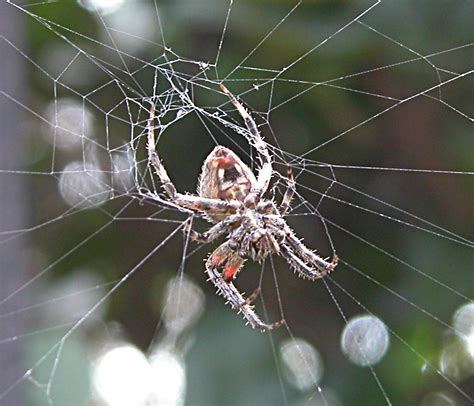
<point x="12" y="206"/>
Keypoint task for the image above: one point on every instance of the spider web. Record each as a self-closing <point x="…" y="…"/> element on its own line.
<point x="368" y="103"/>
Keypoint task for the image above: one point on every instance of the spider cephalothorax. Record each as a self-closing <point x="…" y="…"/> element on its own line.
<point x="230" y="195"/>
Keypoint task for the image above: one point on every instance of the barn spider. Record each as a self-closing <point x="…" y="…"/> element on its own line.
<point x="231" y="196"/>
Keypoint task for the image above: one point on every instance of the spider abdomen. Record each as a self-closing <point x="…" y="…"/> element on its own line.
<point x="225" y="176"/>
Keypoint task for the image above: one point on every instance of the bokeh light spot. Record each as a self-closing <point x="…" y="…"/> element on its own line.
<point x="83" y="188"/>
<point x="438" y="399"/>
<point x="184" y="304"/>
<point x="101" y="6"/>
<point x="303" y="364"/>
<point x="68" y="122"/>
<point x="365" y="340"/>
<point x="122" y="376"/>
<point x="463" y="322"/>
<point x="169" y="378"/>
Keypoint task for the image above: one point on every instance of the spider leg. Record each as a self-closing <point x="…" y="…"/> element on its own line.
<point x="304" y="270"/>
<point x="215" y="231"/>
<point x="322" y="267"/>
<point x="306" y="262"/>
<point x="290" y="191"/>
<point x="265" y="172"/>
<point x="253" y="296"/>
<point x="223" y="255"/>
<point x="192" y="202"/>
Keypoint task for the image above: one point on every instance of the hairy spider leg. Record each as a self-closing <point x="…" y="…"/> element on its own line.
<point x="160" y="170"/>
<point x="231" y="261"/>
<point x="290" y="191"/>
<point x="223" y="255"/>
<point x="303" y="269"/>
<point x="215" y="231"/>
<point x="232" y="267"/>
<point x="188" y="201"/>
<point x="265" y="172"/>
<point x="253" y="296"/>
<point x="310" y="257"/>
<point x="302" y="259"/>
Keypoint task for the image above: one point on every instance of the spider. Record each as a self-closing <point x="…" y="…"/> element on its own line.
<point x="231" y="196"/>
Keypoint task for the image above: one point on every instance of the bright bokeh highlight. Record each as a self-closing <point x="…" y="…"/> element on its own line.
<point x="463" y="322"/>
<point x="134" y="25"/>
<point x="82" y="188"/>
<point x="101" y="6"/>
<point x="68" y="122"/>
<point x="123" y="377"/>
<point x="365" y="340"/>
<point x="168" y="377"/>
